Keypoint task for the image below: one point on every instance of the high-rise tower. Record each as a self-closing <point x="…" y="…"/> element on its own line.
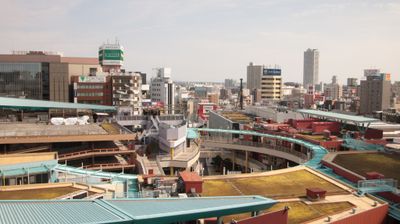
<point x="311" y="67"/>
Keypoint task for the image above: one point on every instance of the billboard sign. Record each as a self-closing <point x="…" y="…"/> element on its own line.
<point x="272" y="71"/>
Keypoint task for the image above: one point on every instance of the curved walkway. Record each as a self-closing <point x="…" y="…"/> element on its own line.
<point x="318" y="152"/>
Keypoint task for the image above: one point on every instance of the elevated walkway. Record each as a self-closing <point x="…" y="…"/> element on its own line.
<point x="93" y="152"/>
<point x="376" y="186"/>
<point x="318" y="152"/>
<point x="284" y="153"/>
<point x="99" y="176"/>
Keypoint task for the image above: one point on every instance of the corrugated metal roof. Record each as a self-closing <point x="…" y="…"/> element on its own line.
<point x="28" y="104"/>
<point x="136" y="211"/>
<point x="338" y="116"/>
<point x="58" y="212"/>
<point x="184" y="209"/>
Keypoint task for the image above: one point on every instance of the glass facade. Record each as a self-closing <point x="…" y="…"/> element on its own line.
<point x="29" y="80"/>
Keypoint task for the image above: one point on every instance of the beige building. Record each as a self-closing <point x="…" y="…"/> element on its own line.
<point x="334" y="90"/>
<point x="42" y="75"/>
<point x="271" y="84"/>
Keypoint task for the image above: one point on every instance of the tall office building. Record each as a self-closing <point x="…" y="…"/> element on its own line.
<point x="162" y="89"/>
<point x="254" y="73"/>
<point x="311" y="67"/>
<point x="271" y="84"/>
<point x="42" y="75"/>
<point x="375" y="93"/>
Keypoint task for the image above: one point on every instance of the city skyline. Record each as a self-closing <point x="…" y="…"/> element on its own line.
<point x="214" y="40"/>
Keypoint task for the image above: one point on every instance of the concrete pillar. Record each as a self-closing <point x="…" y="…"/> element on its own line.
<point x="171" y="169"/>
<point x="247" y="161"/>
<point x="233" y="160"/>
<point x="220" y="220"/>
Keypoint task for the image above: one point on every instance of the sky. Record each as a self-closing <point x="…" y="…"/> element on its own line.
<point x="210" y="40"/>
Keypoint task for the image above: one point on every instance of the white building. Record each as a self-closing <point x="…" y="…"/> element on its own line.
<point x="311" y="67"/>
<point x="162" y="89"/>
<point x="333" y="91"/>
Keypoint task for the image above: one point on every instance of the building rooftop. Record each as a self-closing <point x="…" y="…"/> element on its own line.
<point x="301" y="212"/>
<point x="31" y="129"/>
<point x="190" y="176"/>
<point x="237" y="117"/>
<point x="135" y="211"/>
<point x="287" y="183"/>
<point x="337" y="116"/>
<point x="20" y="133"/>
<point x="28" y="104"/>
<point x="361" y="163"/>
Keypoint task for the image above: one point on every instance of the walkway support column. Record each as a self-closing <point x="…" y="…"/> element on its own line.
<point x="220" y="220"/>
<point x="247" y="161"/>
<point x="233" y="159"/>
<point x="171" y="169"/>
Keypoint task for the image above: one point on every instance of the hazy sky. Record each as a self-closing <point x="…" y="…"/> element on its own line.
<point x="210" y="40"/>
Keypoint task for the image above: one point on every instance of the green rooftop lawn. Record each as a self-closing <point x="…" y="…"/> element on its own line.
<point x="286" y="185"/>
<point x="300" y="212"/>
<point x="361" y="163"/>
<point x="45" y="193"/>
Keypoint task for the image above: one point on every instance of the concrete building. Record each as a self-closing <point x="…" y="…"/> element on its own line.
<point x="352" y="82"/>
<point x="162" y="89"/>
<point x="256" y="93"/>
<point x="92" y="89"/>
<point x="42" y="75"/>
<point x="311" y="67"/>
<point x="271" y="84"/>
<point x="254" y="73"/>
<point x="213" y="98"/>
<point x="375" y="94"/>
<point x="144" y="77"/>
<point x="230" y="83"/>
<point x="127" y="93"/>
<point x="333" y="91"/>
<point x="201" y="92"/>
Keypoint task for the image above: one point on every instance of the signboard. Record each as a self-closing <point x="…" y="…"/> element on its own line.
<point x="272" y="71"/>
<point x="84" y="78"/>
<point x="111" y="54"/>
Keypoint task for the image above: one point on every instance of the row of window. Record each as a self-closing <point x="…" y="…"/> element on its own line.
<point x="90" y="94"/>
<point x="86" y="86"/>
